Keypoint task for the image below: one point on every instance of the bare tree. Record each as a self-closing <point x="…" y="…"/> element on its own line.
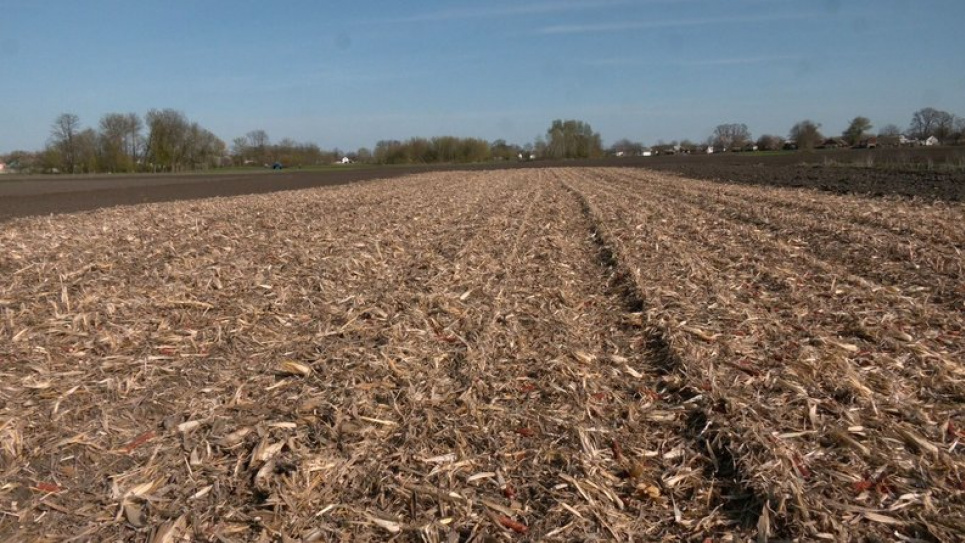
<point x="120" y="140"/>
<point x="167" y="138"/>
<point x="806" y="134"/>
<point x="240" y="150"/>
<point x="625" y="147"/>
<point x="959" y="129"/>
<point x="856" y="130"/>
<point x="500" y="150"/>
<point x="63" y="135"/>
<point x="731" y="136"/>
<point x="364" y="154"/>
<point x="202" y="149"/>
<point x="258" y="138"/>
<point x="945" y="126"/>
<point x="258" y="145"/>
<point x="22" y="161"/>
<point x="87" y="159"/>
<point x="770" y="142"/>
<point x="889" y="135"/>
<point x="572" y="139"/>
<point x="289" y="152"/>
<point x="440" y="149"/>
<point x="927" y="122"/>
<point x="662" y="147"/>
<point x="133" y="138"/>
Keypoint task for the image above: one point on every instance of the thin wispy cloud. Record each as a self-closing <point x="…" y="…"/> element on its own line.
<point x="729" y="61"/>
<point x="494" y="12"/>
<point x="740" y="60"/>
<point x="318" y="77"/>
<point x="651" y="24"/>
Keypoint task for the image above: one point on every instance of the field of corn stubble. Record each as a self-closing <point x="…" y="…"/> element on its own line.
<point x="555" y="355"/>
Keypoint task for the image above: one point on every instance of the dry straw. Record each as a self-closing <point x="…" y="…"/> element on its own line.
<point x="565" y="354"/>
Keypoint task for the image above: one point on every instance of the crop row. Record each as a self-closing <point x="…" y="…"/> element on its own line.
<point x="833" y="387"/>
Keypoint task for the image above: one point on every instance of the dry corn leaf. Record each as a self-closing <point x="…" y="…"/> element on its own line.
<point x="291" y="367"/>
<point x="235" y="438"/>
<point x="171" y="531"/>
<point x="387" y="525"/>
<point x="648" y="491"/>
<point x="425" y="299"/>
<point x="189" y="426"/>
<point x="265" y="450"/>
<point x="584" y="357"/>
<point x="143" y="489"/>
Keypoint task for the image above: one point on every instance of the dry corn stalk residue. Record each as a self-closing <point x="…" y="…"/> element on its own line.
<point x="557" y="354"/>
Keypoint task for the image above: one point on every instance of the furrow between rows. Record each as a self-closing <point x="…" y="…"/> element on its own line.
<point x="884" y="256"/>
<point x="882" y="323"/>
<point x="771" y="405"/>
<point x="736" y="505"/>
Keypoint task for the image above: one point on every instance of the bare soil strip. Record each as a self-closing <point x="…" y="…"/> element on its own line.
<point x="26" y="196"/>
<point x="560" y="354"/>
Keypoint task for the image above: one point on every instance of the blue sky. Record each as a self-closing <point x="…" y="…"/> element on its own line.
<point x="345" y="74"/>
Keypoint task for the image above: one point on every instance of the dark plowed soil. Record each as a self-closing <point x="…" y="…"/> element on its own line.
<point x="930" y="185"/>
<point x="29" y="196"/>
<point x="925" y="172"/>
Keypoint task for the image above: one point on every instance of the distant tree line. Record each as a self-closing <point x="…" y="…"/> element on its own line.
<point x="256" y="149"/>
<point x="166" y="140"/>
<point x="176" y="144"/>
<point x="442" y="149"/>
<point x="928" y="122"/>
<point x="943" y="125"/>
<point x="946" y="128"/>
<point x="570" y="139"/>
